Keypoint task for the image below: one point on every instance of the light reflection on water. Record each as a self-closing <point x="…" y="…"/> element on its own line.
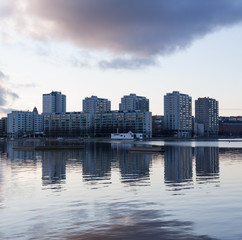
<point x="107" y="192"/>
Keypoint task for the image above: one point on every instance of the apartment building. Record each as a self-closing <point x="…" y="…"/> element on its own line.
<point x="206" y="114"/>
<point x="94" y="104"/>
<point x="23" y="123"/>
<point x="178" y="113"/>
<point x="54" y="102"/>
<point x="132" y="103"/>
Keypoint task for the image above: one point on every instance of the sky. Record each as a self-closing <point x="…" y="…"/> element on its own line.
<point x="111" y="48"/>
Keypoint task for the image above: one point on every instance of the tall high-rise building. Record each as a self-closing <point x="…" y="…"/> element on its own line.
<point x="206" y="113"/>
<point x="132" y="103"/>
<point x="178" y="113"/>
<point x="96" y="105"/>
<point x="54" y="102"/>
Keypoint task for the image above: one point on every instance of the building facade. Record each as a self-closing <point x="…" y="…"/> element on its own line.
<point x="3" y="127"/>
<point x="230" y="126"/>
<point x="178" y="114"/>
<point x="23" y="123"/>
<point x="132" y="103"/>
<point x="75" y="124"/>
<point x="54" y="102"/>
<point x="123" y="121"/>
<point x="69" y="124"/>
<point x="158" y="126"/>
<point x="206" y="113"/>
<point x="96" y="105"/>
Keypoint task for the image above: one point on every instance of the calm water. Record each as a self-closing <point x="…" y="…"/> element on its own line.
<point x="191" y="191"/>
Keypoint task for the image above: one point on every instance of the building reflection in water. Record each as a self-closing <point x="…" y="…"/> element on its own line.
<point x="24" y="156"/>
<point x="21" y="156"/>
<point x="3" y="147"/>
<point x="97" y="162"/>
<point x="54" y="167"/>
<point x="1" y="194"/>
<point x="178" y="164"/>
<point x="207" y="163"/>
<point x="2" y="152"/>
<point x="134" y="167"/>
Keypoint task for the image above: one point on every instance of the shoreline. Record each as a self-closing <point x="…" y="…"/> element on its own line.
<point x="101" y="139"/>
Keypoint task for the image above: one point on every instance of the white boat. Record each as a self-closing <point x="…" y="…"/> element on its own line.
<point x="138" y="135"/>
<point x="122" y="136"/>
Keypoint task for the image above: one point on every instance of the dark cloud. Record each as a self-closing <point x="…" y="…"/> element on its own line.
<point x="24" y="85"/>
<point x="122" y="63"/>
<point x="6" y="110"/>
<point x="6" y="9"/>
<point x="4" y="92"/>
<point x="141" y="29"/>
<point x="138" y="27"/>
<point x="2" y="76"/>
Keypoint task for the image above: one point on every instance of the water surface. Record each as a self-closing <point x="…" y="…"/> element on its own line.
<point x="191" y="191"/>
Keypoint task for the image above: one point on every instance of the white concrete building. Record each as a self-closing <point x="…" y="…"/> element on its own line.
<point x="96" y="105"/>
<point x="178" y="113"/>
<point x="23" y="123"/>
<point x="54" y="102"/>
<point x="132" y="103"/>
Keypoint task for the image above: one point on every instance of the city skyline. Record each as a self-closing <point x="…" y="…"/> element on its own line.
<point x="96" y="98"/>
<point x="137" y="49"/>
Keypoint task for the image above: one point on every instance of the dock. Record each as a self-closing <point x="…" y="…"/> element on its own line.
<point x="24" y="148"/>
<point x="48" y="147"/>
<point x="147" y="149"/>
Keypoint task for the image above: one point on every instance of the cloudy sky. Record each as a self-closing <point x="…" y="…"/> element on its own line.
<point x="111" y="48"/>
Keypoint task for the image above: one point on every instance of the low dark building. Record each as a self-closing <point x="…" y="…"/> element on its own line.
<point x="157" y="126"/>
<point x="3" y="127"/>
<point x="230" y="126"/>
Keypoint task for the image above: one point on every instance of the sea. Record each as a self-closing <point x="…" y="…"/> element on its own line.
<point x="191" y="190"/>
